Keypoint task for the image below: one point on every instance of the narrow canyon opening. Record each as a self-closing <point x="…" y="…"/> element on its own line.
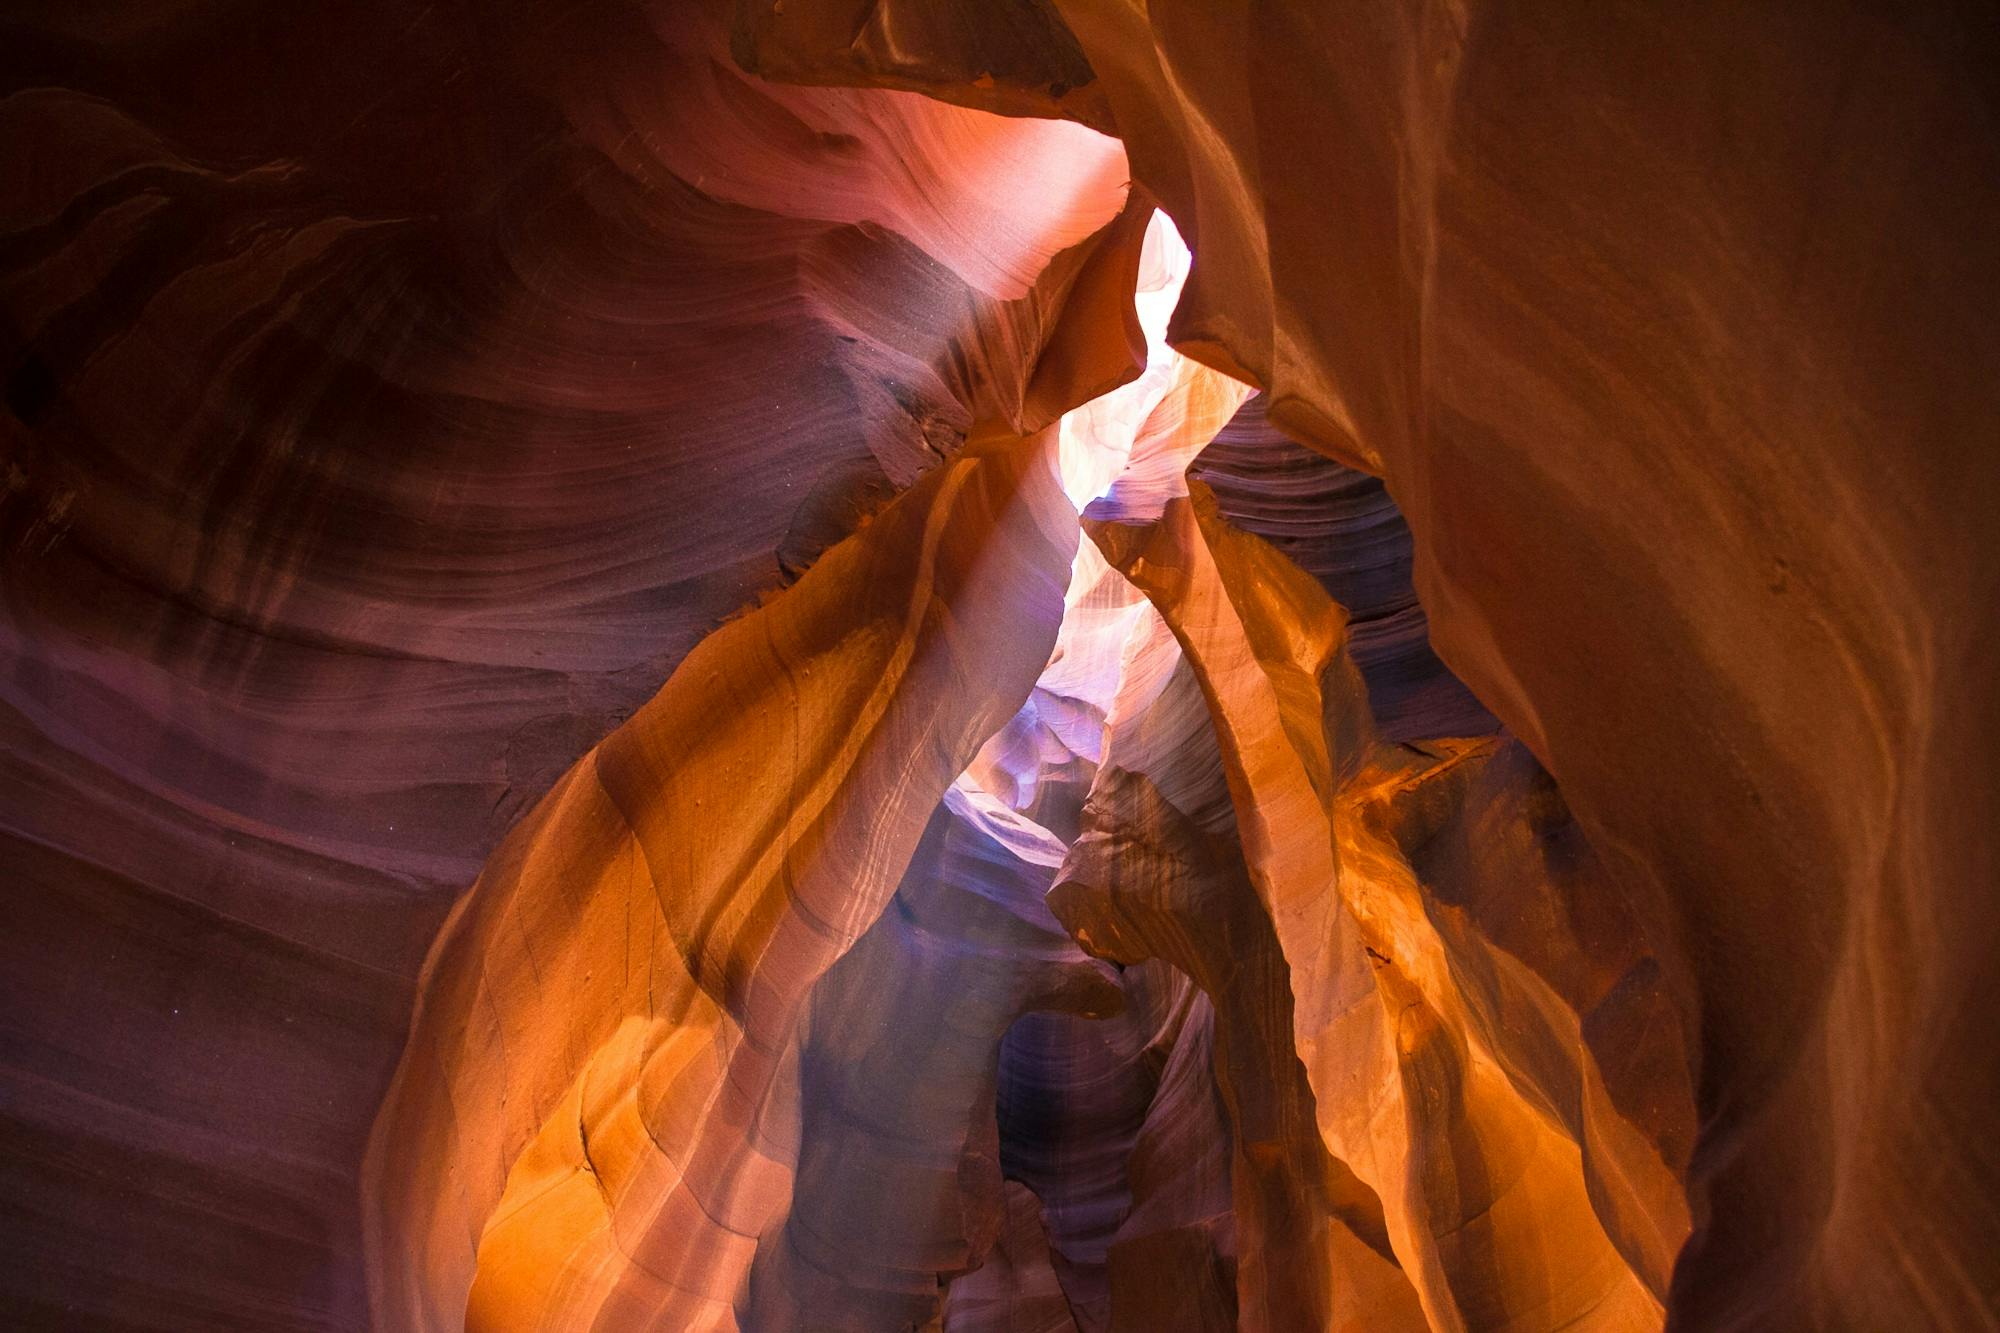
<point x="1137" y="1017"/>
<point x="998" y="666"/>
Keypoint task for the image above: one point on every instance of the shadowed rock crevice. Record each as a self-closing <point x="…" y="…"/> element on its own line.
<point x="673" y="665"/>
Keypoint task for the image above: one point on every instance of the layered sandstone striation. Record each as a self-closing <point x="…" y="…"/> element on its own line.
<point x="1005" y="667"/>
<point x="387" y="417"/>
<point x="1669" y="335"/>
<point x="861" y="844"/>
<point x="599" y="1114"/>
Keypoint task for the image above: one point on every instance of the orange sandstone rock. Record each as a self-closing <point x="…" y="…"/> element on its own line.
<point x="597" y="1116"/>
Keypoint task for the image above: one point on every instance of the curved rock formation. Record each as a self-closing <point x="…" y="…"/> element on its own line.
<point x="714" y="478"/>
<point x="676" y="899"/>
<point x="367" y="459"/>
<point x="1615" y="309"/>
<point x="1638" y="315"/>
<point x="1483" y="1200"/>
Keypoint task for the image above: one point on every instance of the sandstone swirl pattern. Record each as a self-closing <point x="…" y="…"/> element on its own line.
<point x="669" y="665"/>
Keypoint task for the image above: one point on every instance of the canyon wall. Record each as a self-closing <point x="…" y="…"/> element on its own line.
<point x="1670" y="333"/>
<point x="525" y="449"/>
<point x="392" y="404"/>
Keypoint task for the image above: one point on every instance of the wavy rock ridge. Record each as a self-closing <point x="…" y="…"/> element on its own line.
<point x="969" y="822"/>
<point x="854" y="1017"/>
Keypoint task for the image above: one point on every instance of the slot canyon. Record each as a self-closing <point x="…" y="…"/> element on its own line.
<point x="1000" y="666"/>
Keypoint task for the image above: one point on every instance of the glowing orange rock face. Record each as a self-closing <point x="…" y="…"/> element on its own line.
<point x="664" y="1141"/>
<point x="1701" y="489"/>
<point x="598" y="1114"/>
<point x="1022" y="919"/>
<point x="1549" y="280"/>
<point x="385" y="419"/>
<point x="1485" y="1201"/>
<point x="813" y="1009"/>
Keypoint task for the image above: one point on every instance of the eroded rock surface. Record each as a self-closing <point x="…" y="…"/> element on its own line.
<point x="715" y="480"/>
<point x="391" y="408"/>
<point x="1669" y="335"/>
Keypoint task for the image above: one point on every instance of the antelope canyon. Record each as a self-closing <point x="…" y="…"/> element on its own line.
<point x="1000" y="666"/>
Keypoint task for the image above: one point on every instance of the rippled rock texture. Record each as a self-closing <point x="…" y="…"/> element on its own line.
<point x="394" y="399"/>
<point x="968" y="822"/>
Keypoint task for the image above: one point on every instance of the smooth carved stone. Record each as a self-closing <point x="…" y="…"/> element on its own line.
<point x="899" y="1189"/>
<point x="1143" y="882"/>
<point x="1485" y="1201"/>
<point x="386" y="417"/>
<point x="1553" y="972"/>
<point x="394" y="396"/>
<point x="1671" y="337"/>
<point x="1288" y="1191"/>
<point x="1015" y="1290"/>
<point x="1010" y="56"/>
<point x="1342" y="527"/>
<point x="598" y="1113"/>
<point x="1609" y="300"/>
<point x="1074" y="1097"/>
<point x="1173" y="1261"/>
